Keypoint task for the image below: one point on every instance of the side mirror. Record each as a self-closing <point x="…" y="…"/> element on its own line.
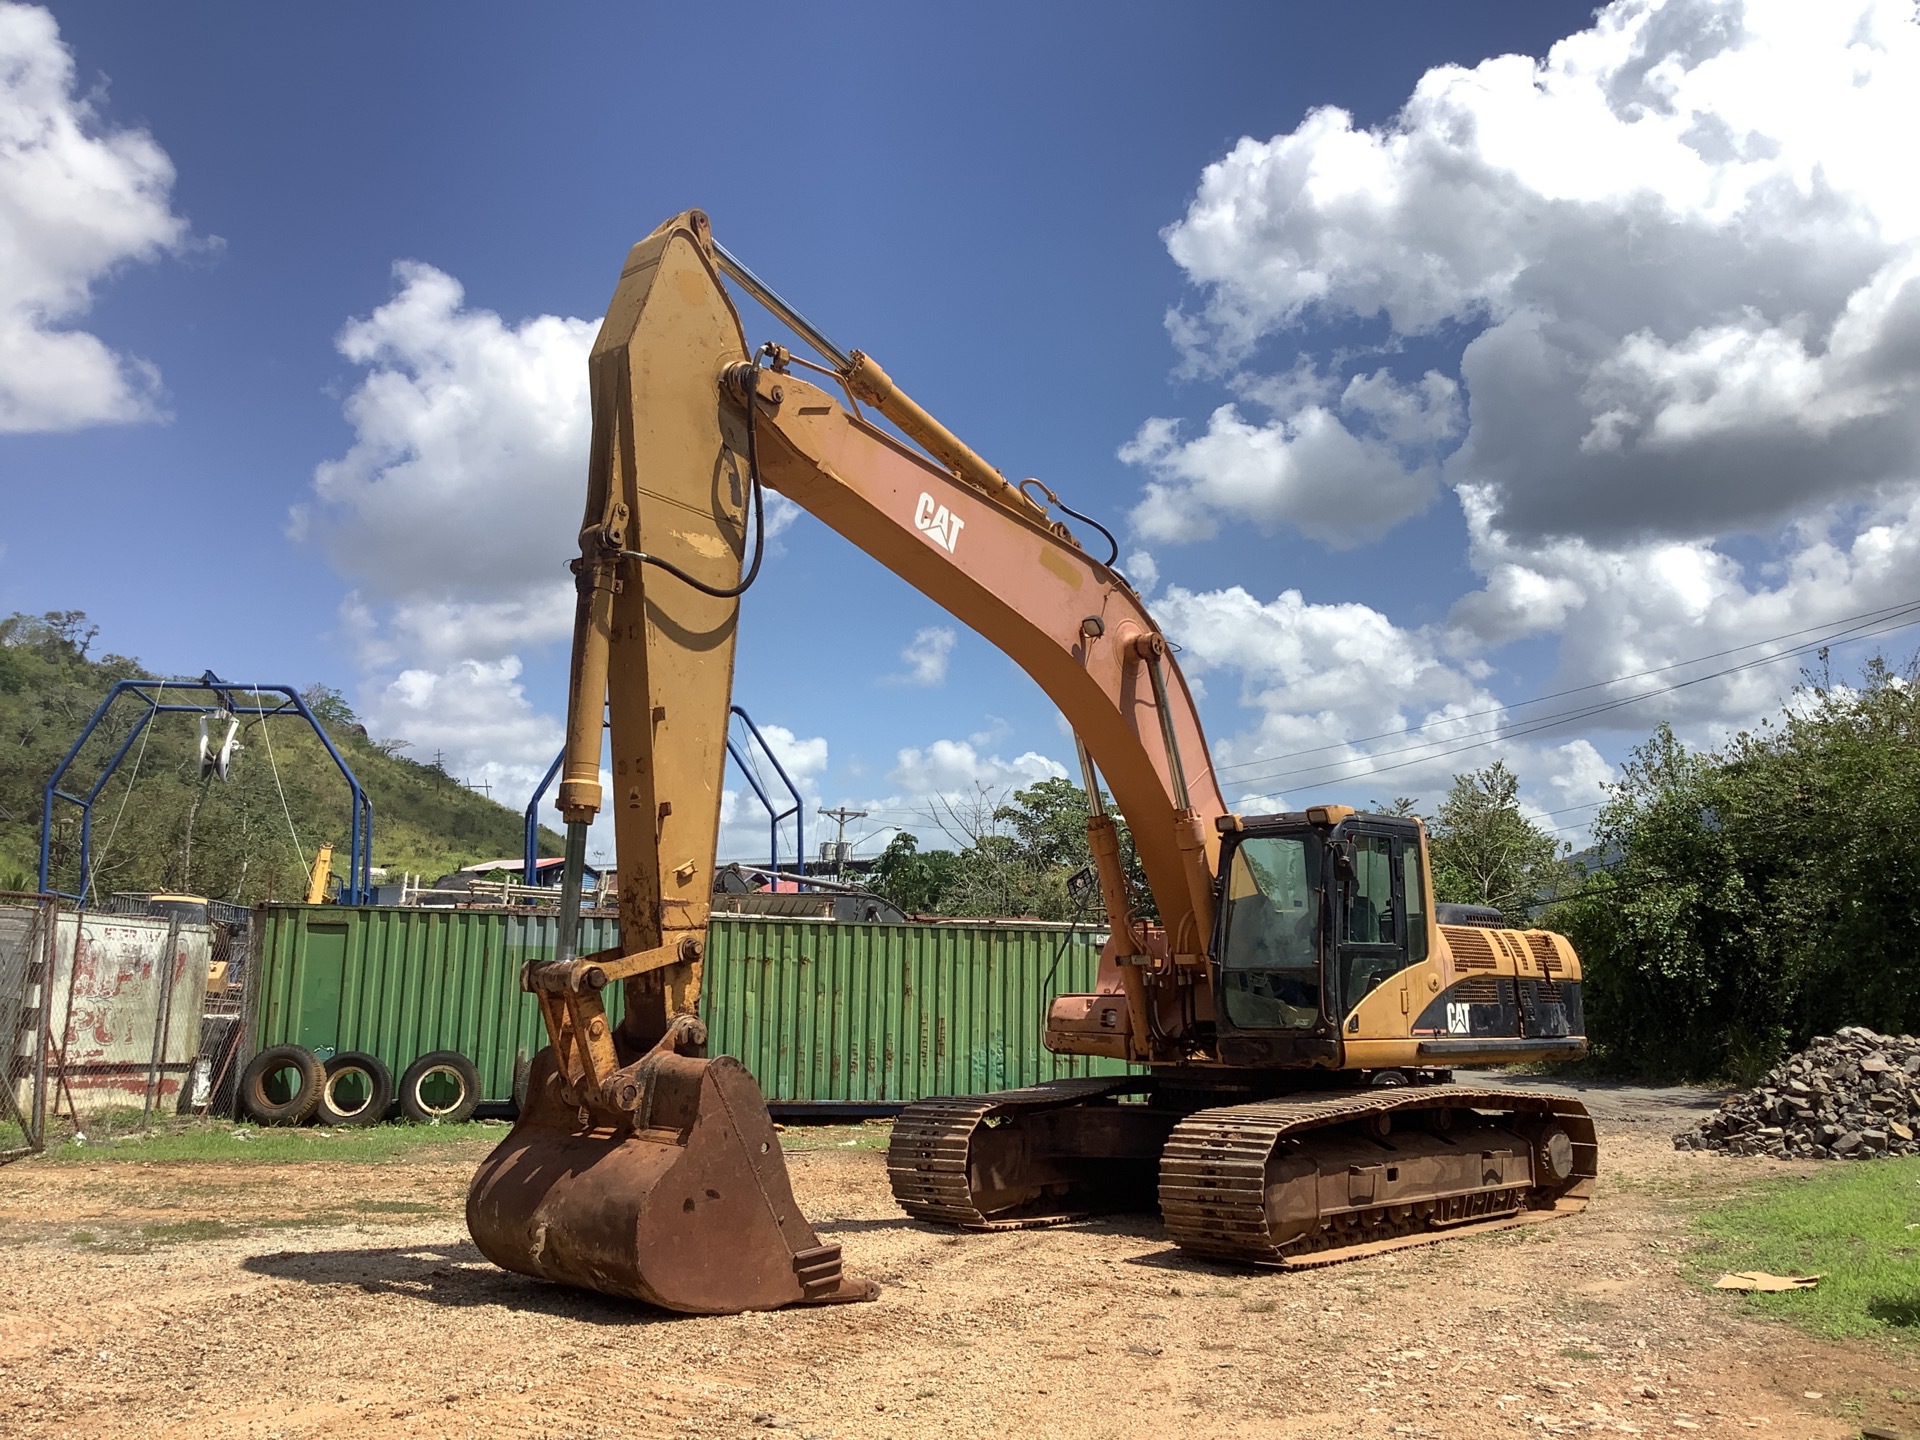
<point x="1343" y="862"/>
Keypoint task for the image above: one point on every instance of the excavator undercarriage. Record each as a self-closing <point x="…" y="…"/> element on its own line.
<point x="1308" y="1178"/>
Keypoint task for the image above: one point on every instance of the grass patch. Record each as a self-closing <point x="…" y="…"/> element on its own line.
<point x="219" y="1140"/>
<point x="1848" y="1223"/>
<point x="872" y="1135"/>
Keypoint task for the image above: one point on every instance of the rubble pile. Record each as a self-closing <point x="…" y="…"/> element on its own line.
<point x="1849" y="1096"/>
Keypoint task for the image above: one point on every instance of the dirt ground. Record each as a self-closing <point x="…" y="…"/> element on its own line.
<point x="348" y="1301"/>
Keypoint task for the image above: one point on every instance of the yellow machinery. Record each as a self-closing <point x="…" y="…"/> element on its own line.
<point x="1295" y="1009"/>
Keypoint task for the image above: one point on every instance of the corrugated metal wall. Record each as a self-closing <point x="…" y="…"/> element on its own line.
<point x="820" y="1011"/>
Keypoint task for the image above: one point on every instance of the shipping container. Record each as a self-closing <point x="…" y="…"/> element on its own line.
<point x="824" y="1013"/>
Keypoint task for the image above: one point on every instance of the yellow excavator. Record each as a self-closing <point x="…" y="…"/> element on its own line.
<point x="1292" y="1016"/>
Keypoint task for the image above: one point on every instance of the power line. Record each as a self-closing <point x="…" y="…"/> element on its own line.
<point x="1864" y="616"/>
<point x="1554" y="720"/>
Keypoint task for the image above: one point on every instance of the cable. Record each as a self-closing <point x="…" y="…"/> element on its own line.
<point x="1843" y="622"/>
<point x="759" y="520"/>
<point x="114" y="829"/>
<point x="1113" y="544"/>
<point x="299" y="850"/>
<point x="1548" y="722"/>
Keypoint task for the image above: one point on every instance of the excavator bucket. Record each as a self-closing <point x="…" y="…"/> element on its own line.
<point x="686" y="1205"/>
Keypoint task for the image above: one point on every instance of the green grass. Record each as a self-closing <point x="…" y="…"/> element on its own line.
<point x="871" y="1135"/>
<point x="224" y="1141"/>
<point x="201" y="1140"/>
<point x="1848" y="1223"/>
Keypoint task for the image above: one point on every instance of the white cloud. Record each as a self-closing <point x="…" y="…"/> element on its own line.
<point x="1347" y="706"/>
<point x="926" y="658"/>
<point x="453" y="513"/>
<point x="78" y="201"/>
<point x="954" y="768"/>
<point x="1687" y="241"/>
<point x="1142" y="571"/>
<point x="1678" y="261"/>
<point x="1341" y="471"/>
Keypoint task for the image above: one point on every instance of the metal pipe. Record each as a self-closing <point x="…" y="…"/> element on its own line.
<point x="866" y="380"/>
<point x="767" y="296"/>
<point x="1096" y="804"/>
<point x="567" y="938"/>
<point x="1174" y="767"/>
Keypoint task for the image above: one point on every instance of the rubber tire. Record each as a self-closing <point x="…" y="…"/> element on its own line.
<point x="440" y="1061"/>
<point x="379" y="1088"/>
<point x="272" y="1060"/>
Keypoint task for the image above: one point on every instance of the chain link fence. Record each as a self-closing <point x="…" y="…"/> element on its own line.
<point x="26" y="950"/>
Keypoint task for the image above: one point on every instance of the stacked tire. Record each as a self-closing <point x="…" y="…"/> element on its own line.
<point x="290" y="1085"/>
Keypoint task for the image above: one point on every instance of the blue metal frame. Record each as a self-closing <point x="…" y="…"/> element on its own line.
<point x="356" y="888"/>
<point x="531" y="854"/>
<point x="797" y="809"/>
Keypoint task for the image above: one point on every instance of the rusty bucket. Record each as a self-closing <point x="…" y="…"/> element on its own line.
<point x="682" y="1201"/>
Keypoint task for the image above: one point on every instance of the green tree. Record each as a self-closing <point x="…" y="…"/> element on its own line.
<point x="1014" y="855"/>
<point x="1759" y="895"/>
<point x="1484" y="851"/>
<point x="913" y="879"/>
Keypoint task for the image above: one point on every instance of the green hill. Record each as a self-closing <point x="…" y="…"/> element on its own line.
<point x="159" y="826"/>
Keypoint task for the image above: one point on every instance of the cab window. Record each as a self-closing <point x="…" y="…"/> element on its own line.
<point x="1415" y="889"/>
<point x="1270" y="961"/>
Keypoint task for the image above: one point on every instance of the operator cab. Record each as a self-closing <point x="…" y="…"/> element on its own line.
<point x="1317" y="908"/>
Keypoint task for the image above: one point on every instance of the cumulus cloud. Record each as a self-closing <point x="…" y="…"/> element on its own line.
<point x="453" y="513"/>
<point x="926" y="657"/>
<point x="79" y="200"/>
<point x="954" y="768"/>
<point x="1676" y="266"/>
<point x="1685" y="240"/>
<point x="1346" y="705"/>
<point x="1342" y="471"/>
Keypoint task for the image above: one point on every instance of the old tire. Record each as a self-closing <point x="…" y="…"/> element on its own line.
<point x="441" y="1088"/>
<point x="358" y="1090"/>
<point x="292" y="1070"/>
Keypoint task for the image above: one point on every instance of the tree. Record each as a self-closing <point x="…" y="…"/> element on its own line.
<point x="1484" y="851"/>
<point x="1015" y="855"/>
<point x="1762" y="894"/>
<point x="916" y="881"/>
<point x="330" y="708"/>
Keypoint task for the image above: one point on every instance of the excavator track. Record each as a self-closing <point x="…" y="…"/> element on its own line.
<point x="1217" y="1179"/>
<point x="933" y="1143"/>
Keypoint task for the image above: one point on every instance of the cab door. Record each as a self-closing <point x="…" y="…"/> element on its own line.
<point x="1372" y="915"/>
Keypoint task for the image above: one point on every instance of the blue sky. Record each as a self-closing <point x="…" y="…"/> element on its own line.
<point x="1544" y="370"/>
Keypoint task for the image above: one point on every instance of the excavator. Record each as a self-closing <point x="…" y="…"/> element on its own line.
<point x="1291" y="1005"/>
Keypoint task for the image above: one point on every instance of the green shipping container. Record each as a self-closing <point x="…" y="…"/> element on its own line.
<point x="822" y="1012"/>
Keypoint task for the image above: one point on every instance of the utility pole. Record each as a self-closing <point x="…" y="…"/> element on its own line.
<point x="841" y="815"/>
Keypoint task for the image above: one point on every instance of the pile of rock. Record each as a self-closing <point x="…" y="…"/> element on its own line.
<point x="1850" y="1096"/>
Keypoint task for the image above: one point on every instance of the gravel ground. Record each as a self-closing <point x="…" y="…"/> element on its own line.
<point x="348" y="1301"/>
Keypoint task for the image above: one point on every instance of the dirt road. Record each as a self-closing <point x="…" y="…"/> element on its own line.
<point x="347" y="1301"/>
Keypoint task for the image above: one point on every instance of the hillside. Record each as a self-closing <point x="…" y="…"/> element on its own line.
<point x="158" y="825"/>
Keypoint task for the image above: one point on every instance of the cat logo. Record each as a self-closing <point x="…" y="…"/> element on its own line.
<point x="1459" y="1020"/>
<point x="941" y="525"/>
